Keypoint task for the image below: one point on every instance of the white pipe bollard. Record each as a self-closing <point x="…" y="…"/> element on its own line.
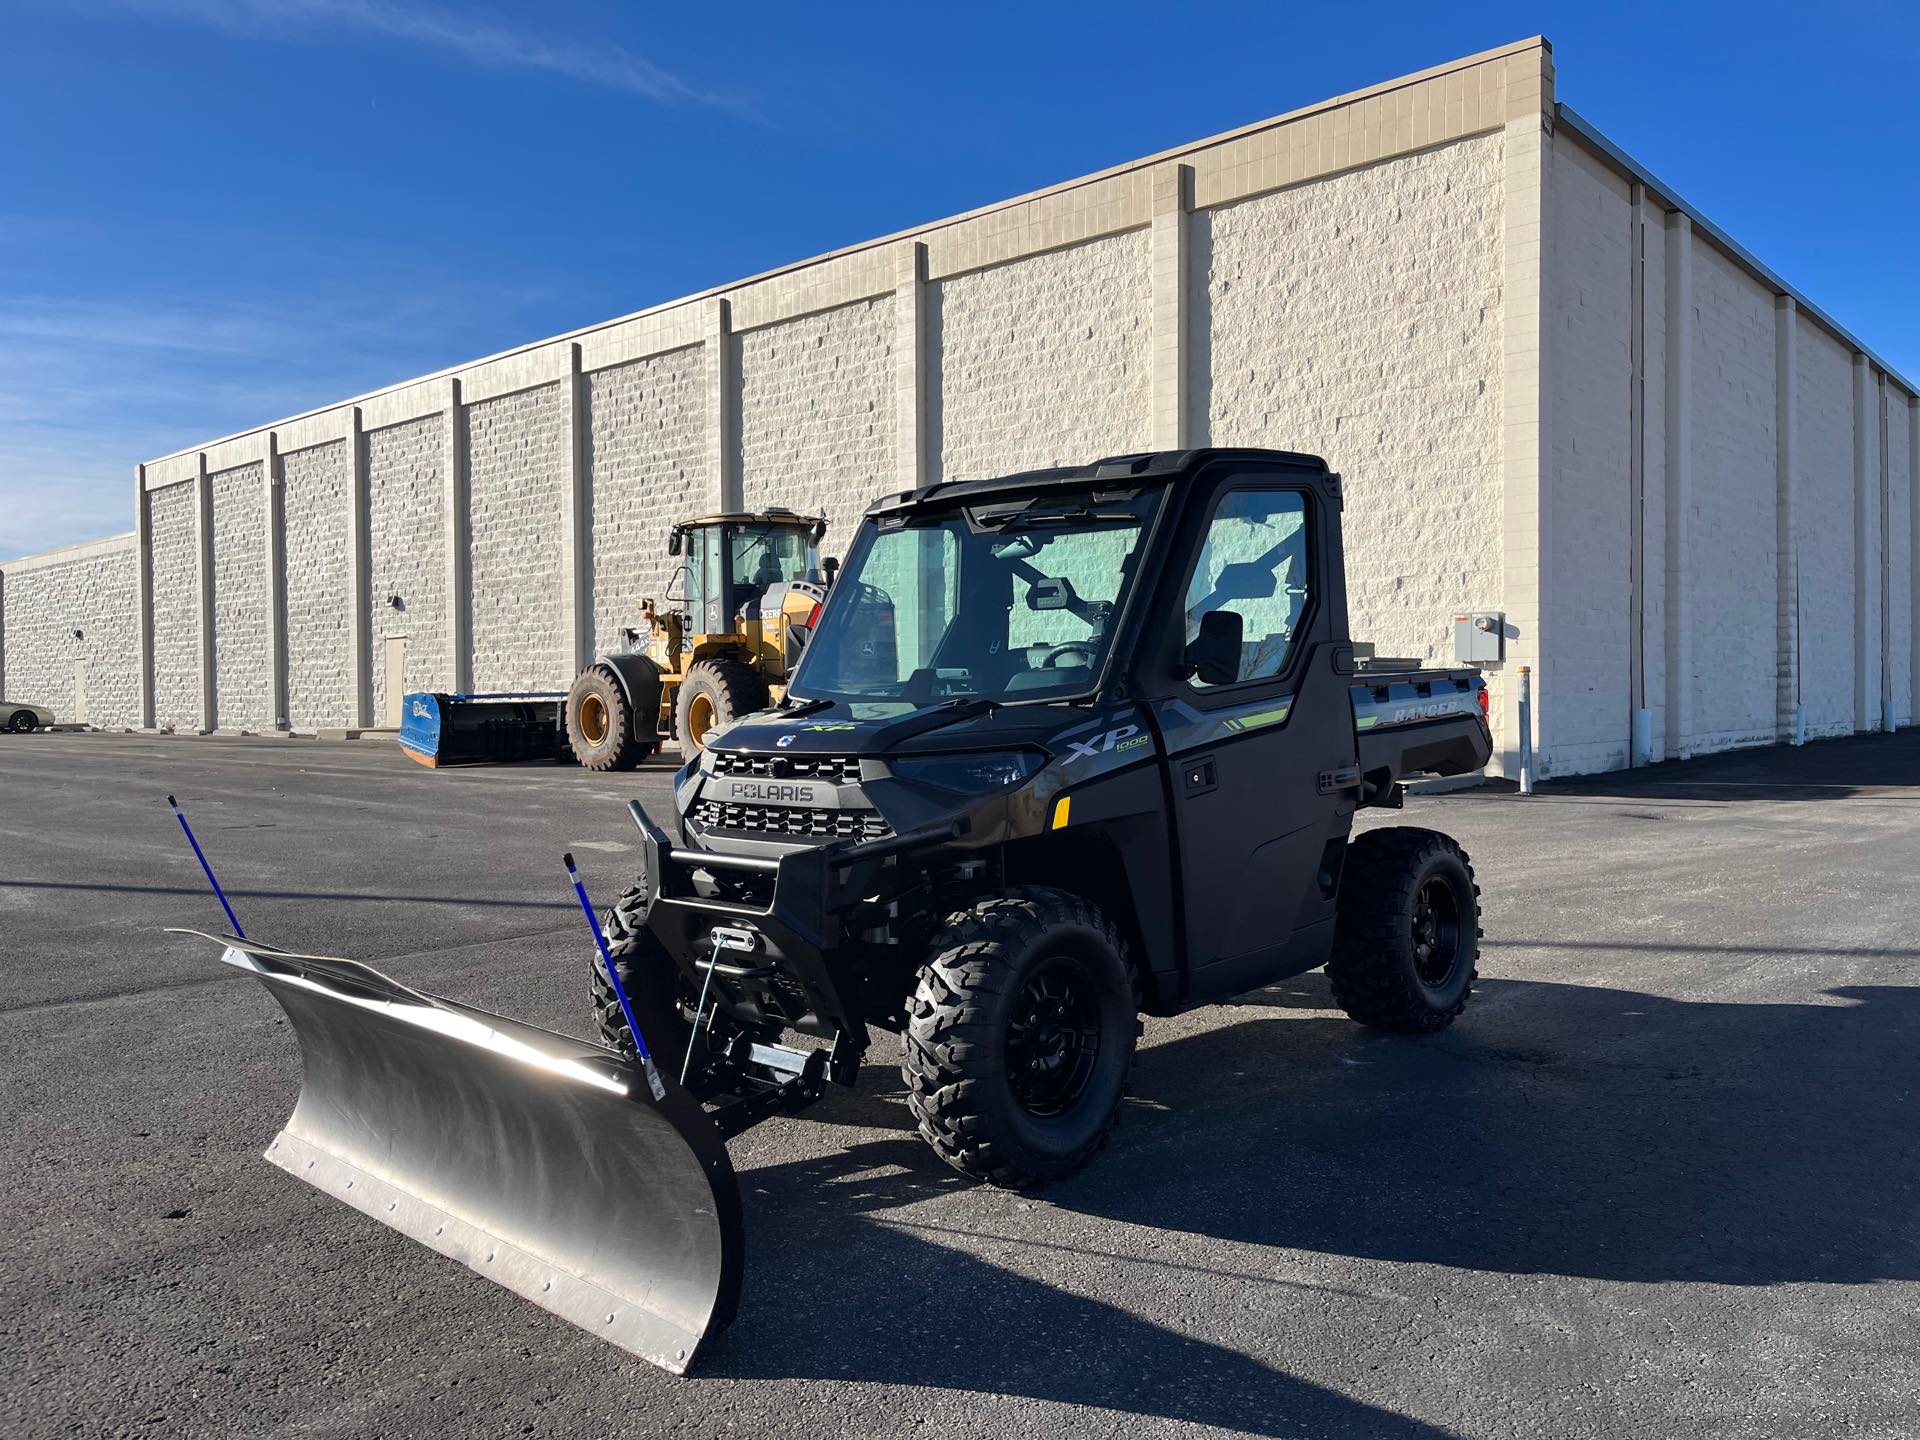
<point x="1526" y="730"/>
<point x="1799" y="724"/>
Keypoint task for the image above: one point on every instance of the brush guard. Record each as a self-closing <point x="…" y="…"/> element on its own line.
<point x="793" y="909"/>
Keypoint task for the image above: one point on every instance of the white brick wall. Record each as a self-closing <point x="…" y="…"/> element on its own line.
<point x="407" y="538"/>
<point x="1359" y="319"/>
<point x="517" y="481"/>
<point x="1869" y="680"/>
<point x="1733" y="590"/>
<point x="646" y="467"/>
<point x="1590" y="331"/>
<point x="1900" y="542"/>
<point x="1824" y="530"/>
<point x="242" y="619"/>
<point x="319" y="531"/>
<point x="44" y="606"/>
<point x="1654" y="511"/>
<point x="1361" y="282"/>
<point x="176" y="608"/>
<point x="817" y="414"/>
<point x="1046" y="361"/>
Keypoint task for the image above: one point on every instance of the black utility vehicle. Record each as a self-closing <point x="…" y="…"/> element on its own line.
<point x="1064" y="747"/>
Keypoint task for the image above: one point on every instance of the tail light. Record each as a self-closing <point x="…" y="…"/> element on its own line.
<point x="813" y="616"/>
<point x="1485" y="697"/>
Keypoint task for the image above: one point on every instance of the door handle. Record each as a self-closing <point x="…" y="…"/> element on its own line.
<point x="1197" y="775"/>
<point x="1347" y="777"/>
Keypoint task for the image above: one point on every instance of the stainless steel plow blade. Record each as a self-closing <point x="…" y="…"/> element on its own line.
<point x="546" y="1164"/>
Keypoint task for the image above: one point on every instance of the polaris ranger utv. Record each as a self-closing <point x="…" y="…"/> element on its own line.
<point x="1065" y="747"/>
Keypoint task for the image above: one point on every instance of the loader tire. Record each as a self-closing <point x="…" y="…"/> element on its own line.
<point x="600" y="727"/>
<point x="716" y="692"/>
<point x="1020" y="1036"/>
<point x="1407" y="937"/>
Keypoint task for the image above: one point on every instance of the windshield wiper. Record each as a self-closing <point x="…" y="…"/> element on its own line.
<point x="790" y="706"/>
<point x="922" y="722"/>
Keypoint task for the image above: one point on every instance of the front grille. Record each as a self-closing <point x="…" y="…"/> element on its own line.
<point x="792" y="820"/>
<point x="835" y="769"/>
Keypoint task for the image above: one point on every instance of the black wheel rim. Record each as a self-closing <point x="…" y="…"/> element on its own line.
<point x="1436" y="933"/>
<point x="1053" y="1039"/>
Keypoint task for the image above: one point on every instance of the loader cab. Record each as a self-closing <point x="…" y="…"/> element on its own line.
<point x="728" y="563"/>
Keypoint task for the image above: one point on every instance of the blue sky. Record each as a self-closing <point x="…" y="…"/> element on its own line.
<point x="214" y="213"/>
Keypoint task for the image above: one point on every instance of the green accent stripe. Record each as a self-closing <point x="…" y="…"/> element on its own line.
<point x="1259" y="718"/>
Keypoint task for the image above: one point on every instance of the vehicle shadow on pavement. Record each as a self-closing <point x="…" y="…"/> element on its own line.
<point x="1558" y="1129"/>
<point x="869" y="1300"/>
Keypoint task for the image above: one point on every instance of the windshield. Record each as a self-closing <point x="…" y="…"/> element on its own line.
<point x="1007" y="601"/>
<point x="763" y="555"/>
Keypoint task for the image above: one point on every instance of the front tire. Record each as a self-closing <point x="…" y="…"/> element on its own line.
<point x="1407" y="939"/>
<point x="716" y="692"/>
<point x="1020" y="1036"/>
<point x="23" y="722"/>
<point x="651" y="980"/>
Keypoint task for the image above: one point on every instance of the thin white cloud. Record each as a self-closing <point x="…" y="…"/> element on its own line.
<point x="89" y="387"/>
<point x="478" y="41"/>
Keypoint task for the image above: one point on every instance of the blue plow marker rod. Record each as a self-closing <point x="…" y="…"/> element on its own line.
<point x="613" y="976"/>
<point x="199" y="855"/>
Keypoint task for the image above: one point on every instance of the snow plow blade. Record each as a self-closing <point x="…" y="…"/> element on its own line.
<point x="546" y="1164"/>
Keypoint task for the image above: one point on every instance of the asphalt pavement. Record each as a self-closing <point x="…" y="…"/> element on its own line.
<point x="1660" y="1180"/>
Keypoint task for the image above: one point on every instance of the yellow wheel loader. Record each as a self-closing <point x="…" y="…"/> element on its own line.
<point x="717" y="646"/>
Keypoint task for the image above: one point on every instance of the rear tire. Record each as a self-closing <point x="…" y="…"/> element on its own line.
<point x="716" y="692"/>
<point x="1407" y="940"/>
<point x="600" y="722"/>
<point x="1020" y="1037"/>
<point x="23" y="722"/>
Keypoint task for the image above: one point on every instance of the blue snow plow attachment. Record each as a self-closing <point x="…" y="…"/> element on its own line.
<point x="441" y="730"/>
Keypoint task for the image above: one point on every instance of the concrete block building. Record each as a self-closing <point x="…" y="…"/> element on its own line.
<point x="1555" y="391"/>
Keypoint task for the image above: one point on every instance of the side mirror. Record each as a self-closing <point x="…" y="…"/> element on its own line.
<point x="675" y="537"/>
<point x="818" y="529"/>
<point x="1213" y="656"/>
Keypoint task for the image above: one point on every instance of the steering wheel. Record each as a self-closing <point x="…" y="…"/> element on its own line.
<point x="1086" y="649"/>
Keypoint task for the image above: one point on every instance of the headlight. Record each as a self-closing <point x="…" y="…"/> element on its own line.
<point x="971" y="773"/>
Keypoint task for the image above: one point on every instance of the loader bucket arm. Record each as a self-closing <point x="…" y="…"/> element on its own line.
<point x="544" y="1163"/>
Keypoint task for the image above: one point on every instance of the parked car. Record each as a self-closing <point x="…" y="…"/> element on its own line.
<point x="24" y="719"/>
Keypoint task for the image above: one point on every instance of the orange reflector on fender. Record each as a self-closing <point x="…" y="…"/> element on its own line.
<point x="1060" y="809"/>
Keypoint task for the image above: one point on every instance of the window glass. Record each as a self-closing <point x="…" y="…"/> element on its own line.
<point x="1253" y="562"/>
<point x="1010" y="599"/>
<point x="1090" y="562"/>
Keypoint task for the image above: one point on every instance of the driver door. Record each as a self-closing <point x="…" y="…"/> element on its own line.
<point x="1249" y="742"/>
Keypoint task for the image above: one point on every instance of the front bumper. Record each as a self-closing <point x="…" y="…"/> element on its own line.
<point x="802" y="971"/>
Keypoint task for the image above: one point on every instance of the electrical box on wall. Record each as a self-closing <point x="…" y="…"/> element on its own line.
<point x="1480" y="637"/>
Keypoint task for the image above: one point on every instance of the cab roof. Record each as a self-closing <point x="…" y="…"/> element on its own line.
<point x="774" y="515"/>
<point x="1152" y="467"/>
